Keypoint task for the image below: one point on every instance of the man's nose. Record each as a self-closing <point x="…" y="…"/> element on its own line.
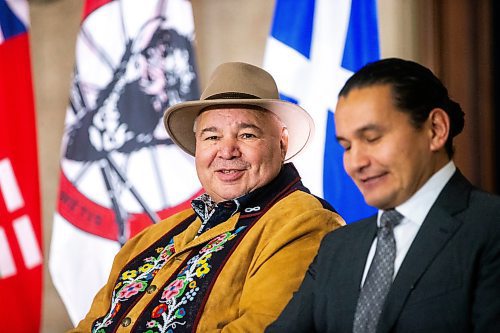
<point x="356" y="159"/>
<point x="229" y="148"/>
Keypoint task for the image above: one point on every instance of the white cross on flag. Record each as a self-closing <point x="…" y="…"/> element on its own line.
<point x="313" y="48"/>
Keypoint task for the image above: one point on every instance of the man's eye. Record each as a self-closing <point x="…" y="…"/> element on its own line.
<point x="247" y="136"/>
<point x="210" y="138"/>
<point x="372" y="139"/>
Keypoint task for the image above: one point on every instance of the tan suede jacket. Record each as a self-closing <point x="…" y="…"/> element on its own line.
<point x="255" y="282"/>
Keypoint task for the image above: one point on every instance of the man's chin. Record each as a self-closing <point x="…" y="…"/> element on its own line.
<point x="377" y="201"/>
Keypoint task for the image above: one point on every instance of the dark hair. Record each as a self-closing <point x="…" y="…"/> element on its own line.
<point x="415" y="89"/>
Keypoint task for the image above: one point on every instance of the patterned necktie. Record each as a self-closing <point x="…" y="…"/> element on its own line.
<point x="379" y="277"/>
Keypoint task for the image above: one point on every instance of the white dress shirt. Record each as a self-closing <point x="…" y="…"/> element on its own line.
<point x="414" y="211"/>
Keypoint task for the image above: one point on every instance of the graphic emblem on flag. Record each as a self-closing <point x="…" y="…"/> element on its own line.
<point x="114" y="130"/>
<point x="120" y="172"/>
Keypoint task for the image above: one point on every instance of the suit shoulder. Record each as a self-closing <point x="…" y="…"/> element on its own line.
<point x="481" y="217"/>
<point x="486" y="205"/>
<point x="349" y="231"/>
<point x="460" y="194"/>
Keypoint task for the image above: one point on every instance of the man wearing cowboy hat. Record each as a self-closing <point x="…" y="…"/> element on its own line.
<point x="233" y="260"/>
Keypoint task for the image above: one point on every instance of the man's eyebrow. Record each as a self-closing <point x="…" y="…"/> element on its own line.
<point x="241" y="126"/>
<point x="249" y="125"/>
<point x="368" y="127"/>
<point x="209" y="129"/>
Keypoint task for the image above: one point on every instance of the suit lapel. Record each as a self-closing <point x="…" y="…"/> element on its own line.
<point x="352" y="272"/>
<point x="437" y="229"/>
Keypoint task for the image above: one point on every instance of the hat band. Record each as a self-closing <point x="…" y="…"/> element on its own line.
<point x="232" y="95"/>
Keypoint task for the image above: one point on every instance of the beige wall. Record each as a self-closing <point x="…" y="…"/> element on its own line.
<point x="54" y="25"/>
<point x="227" y="30"/>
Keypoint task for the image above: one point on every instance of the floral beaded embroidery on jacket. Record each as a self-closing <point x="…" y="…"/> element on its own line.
<point x="169" y="314"/>
<point x="133" y="282"/>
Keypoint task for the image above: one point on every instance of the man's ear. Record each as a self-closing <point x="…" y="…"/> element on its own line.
<point x="284" y="142"/>
<point x="439" y="128"/>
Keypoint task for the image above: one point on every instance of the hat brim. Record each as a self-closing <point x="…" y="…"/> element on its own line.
<point x="179" y="121"/>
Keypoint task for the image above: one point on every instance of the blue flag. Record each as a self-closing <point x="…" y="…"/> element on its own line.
<point x="313" y="48"/>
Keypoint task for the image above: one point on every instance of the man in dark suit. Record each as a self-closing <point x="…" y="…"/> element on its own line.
<point x="435" y="266"/>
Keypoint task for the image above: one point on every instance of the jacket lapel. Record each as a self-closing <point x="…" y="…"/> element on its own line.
<point x="438" y="227"/>
<point x="351" y="274"/>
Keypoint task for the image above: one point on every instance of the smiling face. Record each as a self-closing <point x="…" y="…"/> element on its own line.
<point x="386" y="156"/>
<point x="238" y="150"/>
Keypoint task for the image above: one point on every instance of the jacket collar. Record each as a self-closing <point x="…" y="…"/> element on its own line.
<point x="251" y="205"/>
<point x="260" y="200"/>
<point x="251" y="202"/>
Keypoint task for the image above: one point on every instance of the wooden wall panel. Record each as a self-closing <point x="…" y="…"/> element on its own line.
<point x="455" y="41"/>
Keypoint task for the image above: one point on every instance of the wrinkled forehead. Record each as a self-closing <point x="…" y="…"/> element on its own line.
<point x="237" y="107"/>
<point x="261" y="112"/>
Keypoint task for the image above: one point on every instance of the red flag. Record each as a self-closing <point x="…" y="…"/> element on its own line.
<point x="120" y="172"/>
<point x="20" y="227"/>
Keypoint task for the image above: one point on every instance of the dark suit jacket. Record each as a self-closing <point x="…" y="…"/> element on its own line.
<point x="449" y="280"/>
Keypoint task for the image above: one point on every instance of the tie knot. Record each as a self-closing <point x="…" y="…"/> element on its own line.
<point x="390" y="218"/>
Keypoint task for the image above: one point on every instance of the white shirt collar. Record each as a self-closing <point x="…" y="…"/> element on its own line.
<point x="416" y="208"/>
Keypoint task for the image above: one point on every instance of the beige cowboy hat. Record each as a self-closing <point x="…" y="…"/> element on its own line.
<point x="243" y="84"/>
